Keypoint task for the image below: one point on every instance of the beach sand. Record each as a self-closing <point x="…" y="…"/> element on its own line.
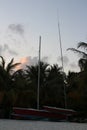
<point x="40" y="125"/>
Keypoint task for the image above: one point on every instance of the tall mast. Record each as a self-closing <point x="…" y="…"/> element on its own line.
<point x="38" y="89"/>
<point x="65" y="100"/>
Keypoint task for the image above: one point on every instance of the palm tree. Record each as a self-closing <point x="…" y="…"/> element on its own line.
<point x="10" y="66"/>
<point x="54" y="88"/>
<point x="32" y="77"/>
<point x="77" y="82"/>
<point x="83" y="60"/>
<point x="19" y="78"/>
<point x="7" y="83"/>
<point x="32" y="74"/>
<point x="6" y="73"/>
<point x="77" y="90"/>
<point x="54" y="72"/>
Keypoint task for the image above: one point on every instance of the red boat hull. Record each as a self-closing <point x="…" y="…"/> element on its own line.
<point x="60" y="110"/>
<point x="37" y="114"/>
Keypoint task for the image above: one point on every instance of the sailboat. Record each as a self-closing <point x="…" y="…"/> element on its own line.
<point x="48" y="113"/>
<point x="37" y="114"/>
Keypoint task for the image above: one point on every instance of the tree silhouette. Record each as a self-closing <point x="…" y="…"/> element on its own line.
<point x="83" y="60"/>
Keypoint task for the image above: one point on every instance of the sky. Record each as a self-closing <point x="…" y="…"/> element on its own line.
<point x="23" y="21"/>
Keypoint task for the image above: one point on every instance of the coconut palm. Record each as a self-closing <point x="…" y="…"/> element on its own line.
<point x="10" y="66"/>
<point x="83" y="60"/>
<point x="32" y="74"/>
<point x="6" y="73"/>
<point x="19" y="79"/>
<point x="7" y="82"/>
<point x="54" y="72"/>
<point x="54" y="89"/>
<point x="32" y="77"/>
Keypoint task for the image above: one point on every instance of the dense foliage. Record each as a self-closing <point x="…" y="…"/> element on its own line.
<point x="19" y="88"/>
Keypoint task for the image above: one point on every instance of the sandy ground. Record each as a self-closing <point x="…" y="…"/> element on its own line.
<point x="40" y="125"/>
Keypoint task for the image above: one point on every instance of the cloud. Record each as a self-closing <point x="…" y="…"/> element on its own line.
<point x="16" y="34"/>
<point x="29" y="61"/>
<point x="45" y="59"/>
<point x="65" y="59"/>
<point x="73" y="65"/>
<point x="16" y="28"/>
<point x="1" y="50"/>
<point x="5" y="48"/>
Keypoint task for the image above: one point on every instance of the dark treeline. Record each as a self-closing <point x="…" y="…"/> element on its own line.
<point x="19" y="88"/>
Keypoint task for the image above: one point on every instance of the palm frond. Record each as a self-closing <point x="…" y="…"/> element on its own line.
<point x="10" y="65"/>
<point x="11" y="62"/>
<point x="82" y="64"/>
<point x="82" y="45"/>
<point x="83" y="54"/>
<point x="14" y="65"/>
<point x="3" y="62"/>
